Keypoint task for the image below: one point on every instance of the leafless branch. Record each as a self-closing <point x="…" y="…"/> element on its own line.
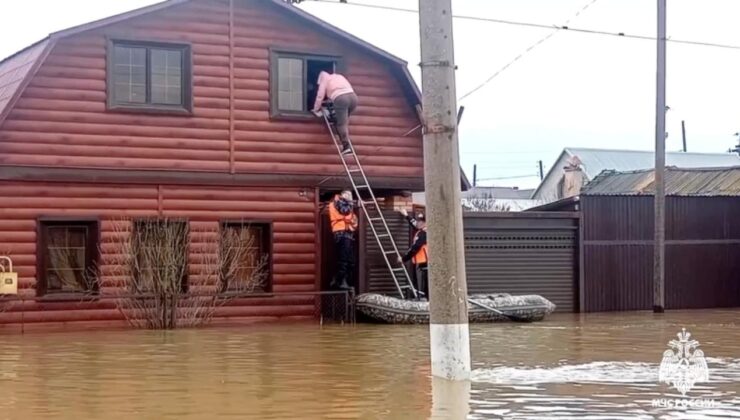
<point x="484" y="204"/>
<point x="170" y="276"/>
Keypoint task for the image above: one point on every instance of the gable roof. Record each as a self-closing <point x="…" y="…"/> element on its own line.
<point x="595" y="161"/>
<point x="16" y="70"/>
<point x="708" y="182"/>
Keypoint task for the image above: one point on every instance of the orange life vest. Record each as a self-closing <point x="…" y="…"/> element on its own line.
<point x="421" y="256"/>
<point x="339" y="221"/>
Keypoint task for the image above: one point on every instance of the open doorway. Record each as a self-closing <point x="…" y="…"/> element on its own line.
<point x="313" y="68"/>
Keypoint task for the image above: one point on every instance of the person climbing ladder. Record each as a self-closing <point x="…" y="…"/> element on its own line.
<point x="338" y="89"/>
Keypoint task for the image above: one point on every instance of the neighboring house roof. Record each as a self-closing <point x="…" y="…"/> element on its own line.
<point x="595" y="161"/>
<point x="678" y="182"/>
<point x="503" y="204"/>
<point x="511" y="198"/>
<point x="498" y="193"/>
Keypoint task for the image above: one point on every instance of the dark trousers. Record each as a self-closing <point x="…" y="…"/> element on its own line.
<point x="344" y="244"/>
<point x="344" y="105"/>
<point x="422" y="279"/>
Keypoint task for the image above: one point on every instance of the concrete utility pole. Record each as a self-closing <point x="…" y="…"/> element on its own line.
<point x="448" y="329"/>
<point x="660" y="111"/>
<point x="683" y="134"/>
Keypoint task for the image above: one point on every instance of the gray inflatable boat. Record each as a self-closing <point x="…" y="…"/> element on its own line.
<point x="501" y="307"/>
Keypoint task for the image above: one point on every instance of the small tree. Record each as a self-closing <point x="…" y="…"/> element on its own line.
<point x="150" y="261"/>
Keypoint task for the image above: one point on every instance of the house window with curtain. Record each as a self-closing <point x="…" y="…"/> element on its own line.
<point x="245" y="257"/>
<point x="67" y="253"/>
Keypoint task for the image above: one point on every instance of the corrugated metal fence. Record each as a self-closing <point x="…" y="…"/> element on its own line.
<point x="702" y="252"/>
<point x="517" y="253"/>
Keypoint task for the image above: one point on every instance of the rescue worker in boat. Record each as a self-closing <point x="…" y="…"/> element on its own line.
<point x="337" y="88"/>
<point x="343" y="226"/>
<point x="418" y="253"/>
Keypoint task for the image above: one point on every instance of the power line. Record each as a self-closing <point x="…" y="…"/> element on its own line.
<point x="525" y="52"/>
<point x="546" y="26"/>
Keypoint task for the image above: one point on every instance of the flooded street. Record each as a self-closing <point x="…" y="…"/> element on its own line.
<point x="602" y="366"/>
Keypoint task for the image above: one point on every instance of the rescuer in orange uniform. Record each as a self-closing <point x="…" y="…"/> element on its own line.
<point x="343" y="226"/>
<point x="418" y="253"/>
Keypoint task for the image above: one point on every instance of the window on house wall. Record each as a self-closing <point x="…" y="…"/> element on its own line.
<point x="245" y="257"/>
<point x="149" y="76"/>
<point x="67" y="252"/>
<point x="293" y="77"/>
<point x="161" y="249"/>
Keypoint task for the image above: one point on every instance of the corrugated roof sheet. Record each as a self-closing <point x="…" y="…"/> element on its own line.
<point x="678" y="182"/>
<point x="13" y="71"/>
<point x="597" y="160"/>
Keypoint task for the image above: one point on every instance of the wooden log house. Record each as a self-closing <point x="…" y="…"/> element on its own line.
<point x="196" y="110"/>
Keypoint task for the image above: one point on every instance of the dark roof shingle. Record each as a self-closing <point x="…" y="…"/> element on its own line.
<point x="14" y="69"/>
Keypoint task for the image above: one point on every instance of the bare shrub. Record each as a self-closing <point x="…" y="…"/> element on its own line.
<point x="484" y="204"/>
<point x="150" y="260"/>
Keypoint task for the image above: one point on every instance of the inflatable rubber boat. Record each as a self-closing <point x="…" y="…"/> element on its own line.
<point x="481" y="308"/>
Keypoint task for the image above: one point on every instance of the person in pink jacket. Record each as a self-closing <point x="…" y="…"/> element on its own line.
<point x="337" y="88"/>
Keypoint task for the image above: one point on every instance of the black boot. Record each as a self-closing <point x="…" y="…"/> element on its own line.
<point x="346" y="149"/>
<point x="339" y="285"/>
<point x="343" y="285"/>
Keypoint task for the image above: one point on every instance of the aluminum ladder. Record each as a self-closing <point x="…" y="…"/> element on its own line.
<point x="373" y="213"/>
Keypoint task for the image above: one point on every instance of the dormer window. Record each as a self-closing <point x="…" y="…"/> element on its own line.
<point x="293" y="79"/>
<point x="149" y="76"/>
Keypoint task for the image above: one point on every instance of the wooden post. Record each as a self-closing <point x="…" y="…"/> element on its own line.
<point x="542" y="172"/>
<point x="660" y="111"/>
<point x="449" y="335"/>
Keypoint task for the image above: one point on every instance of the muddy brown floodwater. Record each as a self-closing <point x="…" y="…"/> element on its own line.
<point x="601" y="366"/>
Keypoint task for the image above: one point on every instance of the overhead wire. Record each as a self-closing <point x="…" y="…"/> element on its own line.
<point x="525" y="52"/>
<point x="546" y="26"/>
<point x="557" y="28"/>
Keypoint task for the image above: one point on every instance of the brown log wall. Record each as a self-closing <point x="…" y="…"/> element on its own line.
<point x="61" y="119"/>
<point x="292" y="213"/>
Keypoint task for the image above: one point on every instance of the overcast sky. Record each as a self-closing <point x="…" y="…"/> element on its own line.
<point x="572" y="90"/>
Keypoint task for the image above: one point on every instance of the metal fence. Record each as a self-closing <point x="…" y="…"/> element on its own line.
<point x="336" y="306"/>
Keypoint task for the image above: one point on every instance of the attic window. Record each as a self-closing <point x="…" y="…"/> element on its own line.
<point x="149" y="76"/>
<point x="293" y="79"/>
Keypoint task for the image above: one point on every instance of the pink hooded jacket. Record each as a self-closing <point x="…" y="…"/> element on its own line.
<point x="331" y="86"/>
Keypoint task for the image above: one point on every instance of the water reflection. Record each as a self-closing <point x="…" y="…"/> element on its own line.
<point x="593" y="366"/>
<point x="450" y="399"/>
